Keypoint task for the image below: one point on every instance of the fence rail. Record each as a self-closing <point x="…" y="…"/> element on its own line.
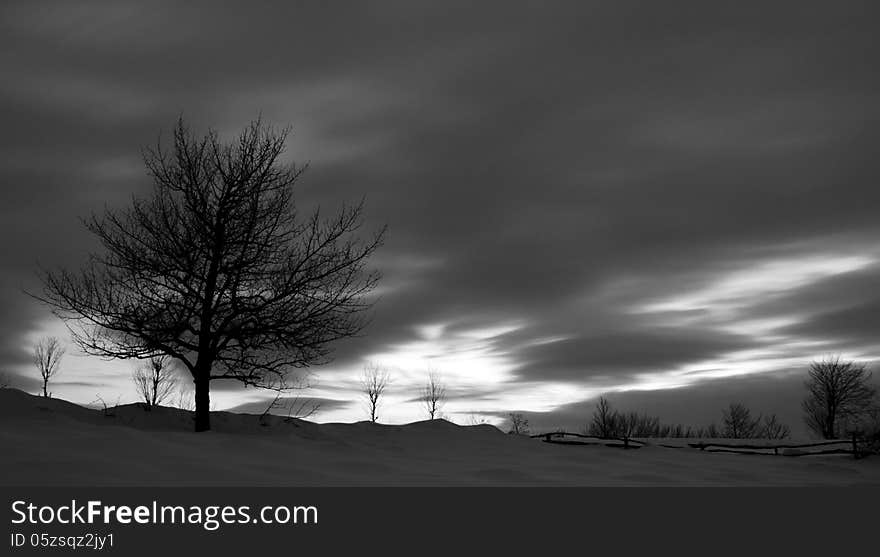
<point x="789" y="449"/>
<point x="854" y="445"/>
<point x="558" y="437"/>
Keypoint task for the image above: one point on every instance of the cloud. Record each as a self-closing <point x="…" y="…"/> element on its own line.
<point x="304" y="404"/>
<point x="698" y="406"/>
<point x="557" y="168"/>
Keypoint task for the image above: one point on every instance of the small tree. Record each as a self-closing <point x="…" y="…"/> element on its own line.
<point x="738" y="422"/>
<point x="711" y="431"/>
<point x="47" y="358"/>
<point x="184" y="397"/>
<point x="838" y="392"/>
<point x="155" y="381"/>
<point x="604" y="420"/>
<point x="373" y="384"/>
<point x="519" y="425"/>
<point x="771" y="428"/>
<point x="433" y="394"/>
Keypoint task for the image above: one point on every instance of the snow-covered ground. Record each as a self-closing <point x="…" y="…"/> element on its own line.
<point x="54" y="442"/>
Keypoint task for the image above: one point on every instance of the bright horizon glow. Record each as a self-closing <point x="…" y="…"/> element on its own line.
<point x="481" y="374"/>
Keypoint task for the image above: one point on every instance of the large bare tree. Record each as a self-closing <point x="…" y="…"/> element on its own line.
<point x="838" y="393"/>
<point x="47" y="357"/>
<point x="218" y="270"/>
<point x="155" y="381"/>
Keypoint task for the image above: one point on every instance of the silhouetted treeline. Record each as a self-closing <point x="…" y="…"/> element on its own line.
<point x="737" y="423"/>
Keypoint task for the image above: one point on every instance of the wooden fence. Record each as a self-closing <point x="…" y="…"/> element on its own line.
<point x="854" y="446"/>
<point x="559" y="438"/>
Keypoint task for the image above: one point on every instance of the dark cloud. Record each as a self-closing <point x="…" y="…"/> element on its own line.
<point x="546" y="165"/>
<point x="698" y="405"/>
<point x="624" y="352"/>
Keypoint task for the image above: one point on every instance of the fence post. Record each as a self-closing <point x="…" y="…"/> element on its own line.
<point x="855" y="445"/>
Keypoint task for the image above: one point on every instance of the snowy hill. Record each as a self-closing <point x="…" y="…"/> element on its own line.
<point x="54" y="442"/>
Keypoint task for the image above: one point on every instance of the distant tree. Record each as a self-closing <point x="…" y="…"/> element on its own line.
<point x="47" y="357"/>
<point x="626" y="424"/>
<point x="738" y="422"/>
<point x="433" y="394"/>
<point x="106" y="409"/>
<point x="771" y="428"/>
<point x="711" y="431"/>
<point x="184" y="397"/>
<point x="838" y="392"/>
<point x="604" y="420"/>
<point x="217" y="269"/>
<point x="155" y="381"/>
<point x="474" y="419"/>
<point x="648" y="426"/>
<point x="519" y="425"/>
<point x="373" y="384"/>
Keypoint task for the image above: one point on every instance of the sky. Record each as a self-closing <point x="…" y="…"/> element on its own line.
<point x="673" y="204"/>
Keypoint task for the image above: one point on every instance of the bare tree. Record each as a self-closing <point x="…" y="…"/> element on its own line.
<point x="474" y="419"/>
<point x="218" y="270"/>
<point x="634" y="424"/>
<point x="519" y="425"/>
<point x="155" y="381"/>
<point x="711" y="431"/>
<point x="107" y="410"/>
<point x="604" y="421"/>
<point x="297" y="407"/>
<point x="47" y="357"/>
<point x="373" y="384"/>
<point x="838" y="393"/>
<point x="772" y="428"/>
<point x="274" y="404"/>
<point x="738" y="422"/>
<point x="184" y="398"/>
<point x="433" y="394"/>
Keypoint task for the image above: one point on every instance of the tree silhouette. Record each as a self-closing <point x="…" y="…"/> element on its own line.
<point x="519" y="424"/>
<point x="217" y="269"/>
<point x="373" y="384"/>
<point x="838" y="392"/>
<point x="604" y="422"/>
<point x="47" y="358"/>
<point x="155" y="381"/>
<point x="738" y="422"/>
<point x="772" y="428"/>
<point x="433" y="394"/>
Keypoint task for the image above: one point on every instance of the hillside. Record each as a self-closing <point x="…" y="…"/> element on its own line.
<point x="54" y="442"/>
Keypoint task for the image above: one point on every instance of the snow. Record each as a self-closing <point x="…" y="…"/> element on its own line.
<point x="54" y="442"/>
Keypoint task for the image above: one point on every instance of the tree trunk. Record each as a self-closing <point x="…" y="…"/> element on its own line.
<point x="45" y="388"/>
<point x="203" y="403"/>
